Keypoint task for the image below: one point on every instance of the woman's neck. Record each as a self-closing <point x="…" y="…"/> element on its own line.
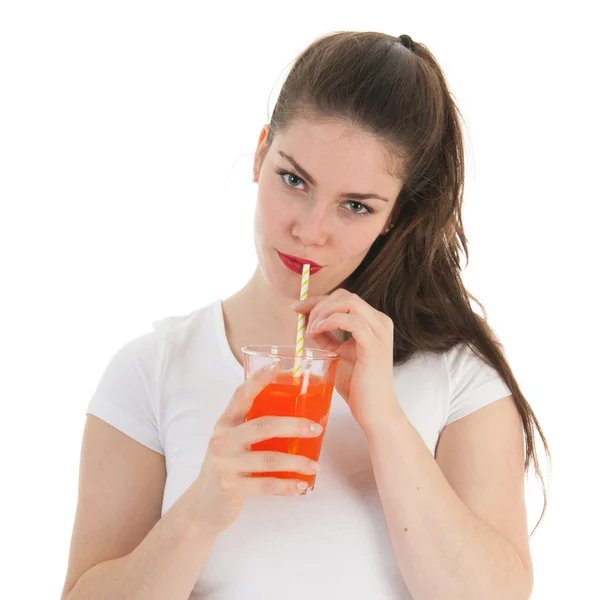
<point x="256" y="312"/>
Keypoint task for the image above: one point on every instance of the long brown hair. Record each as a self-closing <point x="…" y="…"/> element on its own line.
<point x="400" y="97"/>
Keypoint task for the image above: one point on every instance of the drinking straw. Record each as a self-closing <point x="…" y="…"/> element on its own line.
<point x="301" y="322"/>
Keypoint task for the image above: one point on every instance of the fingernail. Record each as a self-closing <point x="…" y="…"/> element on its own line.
<point x="295" y="305"/>
<point x="302" y="485"/>
<point x="315" y="465"/>
<point x="316" y="428"/>
<point x="270" y="368"/>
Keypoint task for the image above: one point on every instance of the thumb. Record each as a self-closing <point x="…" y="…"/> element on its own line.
<point x="244" y="395"/>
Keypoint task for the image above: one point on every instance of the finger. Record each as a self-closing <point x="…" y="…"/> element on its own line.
<point x="269" y="426"/>
<point x="258" y="486"/>
<point x="335" y="302"/>
<point x="306" y="305"/>
<point x="348" y="303"/>
<point x="308" y="308"/>
<point x="359" y="328"/>
<point x="326" y="341"/>
<point x="243" y="397"/>
<point x="266" y="462"/>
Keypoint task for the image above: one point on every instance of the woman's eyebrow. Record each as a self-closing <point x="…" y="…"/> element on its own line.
<point x="309" y="178"/>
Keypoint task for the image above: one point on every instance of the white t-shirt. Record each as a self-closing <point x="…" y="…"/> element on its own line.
<point x="167" y="388"/>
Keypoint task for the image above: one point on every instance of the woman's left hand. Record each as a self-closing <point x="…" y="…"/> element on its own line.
<point x="365" y="377"/>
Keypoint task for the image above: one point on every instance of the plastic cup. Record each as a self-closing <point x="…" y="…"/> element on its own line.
<point x="307" y="395"/>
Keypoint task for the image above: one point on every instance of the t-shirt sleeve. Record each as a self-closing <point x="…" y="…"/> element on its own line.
<point x="127" y="394"/>
<point x="473" y="383"/>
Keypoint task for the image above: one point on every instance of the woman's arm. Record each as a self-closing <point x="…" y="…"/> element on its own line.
<point x="447" y="547"/>
<point x="164" y="566"/>
<point x="121" y="547"/>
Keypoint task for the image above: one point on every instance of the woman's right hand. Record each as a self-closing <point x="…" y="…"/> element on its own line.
<point x="224" y="479"/>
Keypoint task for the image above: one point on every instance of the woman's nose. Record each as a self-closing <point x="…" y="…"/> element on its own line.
<point x="313" y="225"/>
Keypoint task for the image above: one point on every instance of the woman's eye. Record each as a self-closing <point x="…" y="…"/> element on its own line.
<point x="362" y="211"/>
<point x="284" y="174"/>
<point x="367" y="210"/>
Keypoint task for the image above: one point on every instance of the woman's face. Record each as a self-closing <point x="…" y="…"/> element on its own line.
<point x="317" y="220"/>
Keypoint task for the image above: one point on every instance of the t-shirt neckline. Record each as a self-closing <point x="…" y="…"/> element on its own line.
<point x="228" y="356"/>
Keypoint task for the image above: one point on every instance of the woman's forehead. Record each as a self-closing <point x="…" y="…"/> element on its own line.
<point x="326" y="144"/>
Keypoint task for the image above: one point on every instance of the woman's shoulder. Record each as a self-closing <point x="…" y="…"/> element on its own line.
<point x="179" y="323"/>
<point x="187" y="340"/>
<point x="165" y="337"/>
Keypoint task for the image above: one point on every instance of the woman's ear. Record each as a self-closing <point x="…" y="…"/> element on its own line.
<point x="261" y="150"/>
<point x="387" y="228"/>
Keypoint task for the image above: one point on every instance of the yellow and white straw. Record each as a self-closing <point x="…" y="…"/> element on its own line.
<point x="301" y="322"/>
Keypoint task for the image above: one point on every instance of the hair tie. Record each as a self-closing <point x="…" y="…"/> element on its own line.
<point x="407" y="42"/>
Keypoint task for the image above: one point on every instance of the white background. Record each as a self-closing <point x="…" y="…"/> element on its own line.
<point x="127" y="132"/>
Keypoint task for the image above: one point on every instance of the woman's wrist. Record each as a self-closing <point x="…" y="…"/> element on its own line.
<point x="191" y="516"/>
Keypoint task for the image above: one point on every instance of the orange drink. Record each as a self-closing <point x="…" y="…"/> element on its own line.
<point x="306" y="395"/>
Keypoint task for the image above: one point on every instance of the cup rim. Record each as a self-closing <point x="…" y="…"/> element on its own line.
<point x="266" y="350"/>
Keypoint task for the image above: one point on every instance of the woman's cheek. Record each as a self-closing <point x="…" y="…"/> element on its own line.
<point x="276" y="215"/>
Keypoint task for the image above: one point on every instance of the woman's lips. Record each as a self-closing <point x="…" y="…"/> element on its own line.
<point x="295" y="265"/>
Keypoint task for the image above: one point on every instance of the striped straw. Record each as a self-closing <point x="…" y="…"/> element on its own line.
<point x="301" y="321"/>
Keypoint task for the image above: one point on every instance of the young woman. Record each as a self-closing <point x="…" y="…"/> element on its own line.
<point x="420" y="492"/>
